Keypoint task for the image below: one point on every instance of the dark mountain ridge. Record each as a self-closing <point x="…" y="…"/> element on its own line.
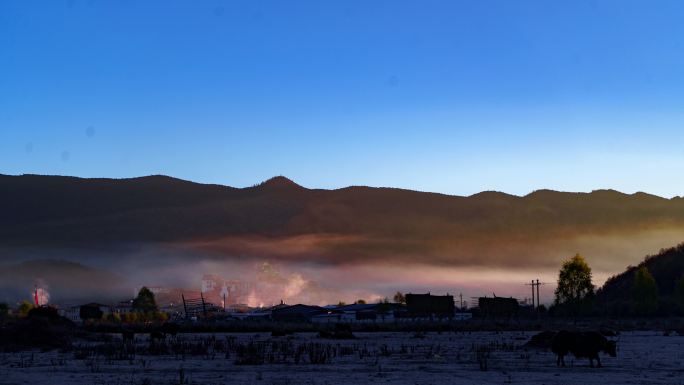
<point x="159" y="208"/>
<point x="344" y="224"/>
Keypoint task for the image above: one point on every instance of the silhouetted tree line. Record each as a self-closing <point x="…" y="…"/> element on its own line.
<point x="653" y="288"/>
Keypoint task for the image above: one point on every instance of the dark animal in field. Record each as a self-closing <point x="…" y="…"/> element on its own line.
<point x="127" y="336"/>
<point x="157" y="336"/>
<point x="582" y="345"/>
<point x="170" y="328"/>
<point x="498" y="307"/>
<point x="541" y="340"/>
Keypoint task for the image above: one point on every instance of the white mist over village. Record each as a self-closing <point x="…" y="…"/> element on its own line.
<point x="237" y="288"/>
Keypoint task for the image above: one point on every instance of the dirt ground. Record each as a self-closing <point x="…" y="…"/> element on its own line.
<point x="383" y="358"/>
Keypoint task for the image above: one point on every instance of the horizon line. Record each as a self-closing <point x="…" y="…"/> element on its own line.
<point x="271" y="179"/>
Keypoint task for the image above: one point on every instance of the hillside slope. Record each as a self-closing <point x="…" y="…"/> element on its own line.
<point x="666" y="267"/>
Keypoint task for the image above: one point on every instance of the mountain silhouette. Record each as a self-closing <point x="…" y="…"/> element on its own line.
<point x="281" y="218"/>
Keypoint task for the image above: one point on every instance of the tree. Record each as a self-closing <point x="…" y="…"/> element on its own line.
<point x="679" y="292"/>
<point x="24" y="308"/>
<point x="644" y="292"/>
<point x="574" y="284"/>
<point x="47" y="312"/>
<point x="162" y="316"/>
<point x="113" y="318"/>
<point x="4" y="310"/>
<point x="361" y="302"/>
<point x="399" y="297"/>
<point x="144" y="302"/>
<point x="130" y="318"/>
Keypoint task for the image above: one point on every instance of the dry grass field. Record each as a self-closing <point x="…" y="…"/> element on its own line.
<point x="305" y="358"/>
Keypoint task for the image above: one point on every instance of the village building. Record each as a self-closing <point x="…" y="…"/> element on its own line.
<point x="360" y="313"/>
<point x="71" y="312"/>
<point x="296" y="313"/>
<point x="430" y="306"/>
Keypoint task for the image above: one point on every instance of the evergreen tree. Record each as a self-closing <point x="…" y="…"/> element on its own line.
<point x="679" y="293"/>
<point x="144" y="302"/>
<point x="644" y="292"/>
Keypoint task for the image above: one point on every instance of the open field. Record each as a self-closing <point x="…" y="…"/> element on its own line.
<point x="304" y="358"/>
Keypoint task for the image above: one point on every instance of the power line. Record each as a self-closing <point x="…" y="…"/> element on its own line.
<point x="535" y="285"/>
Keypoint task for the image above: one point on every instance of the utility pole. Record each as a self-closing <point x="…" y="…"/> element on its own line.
<point x="534" y="284"/>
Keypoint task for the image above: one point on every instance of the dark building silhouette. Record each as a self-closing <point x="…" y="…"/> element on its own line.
<point x="296" y="313"/>
<point x="498" y="307"/>
<point x="428" y="305"/>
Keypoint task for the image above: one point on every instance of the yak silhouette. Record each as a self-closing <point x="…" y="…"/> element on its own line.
<point x="582" y="345"/>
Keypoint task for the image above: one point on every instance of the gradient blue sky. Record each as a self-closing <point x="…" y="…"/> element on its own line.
<point x="447" y="96"/>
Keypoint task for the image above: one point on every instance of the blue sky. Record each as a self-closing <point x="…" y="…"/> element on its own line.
<point x="447" y="96"/>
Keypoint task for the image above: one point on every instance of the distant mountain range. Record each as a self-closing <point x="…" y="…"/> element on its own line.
<point x="281" y="219"/>
<point x="101" y="238"/>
